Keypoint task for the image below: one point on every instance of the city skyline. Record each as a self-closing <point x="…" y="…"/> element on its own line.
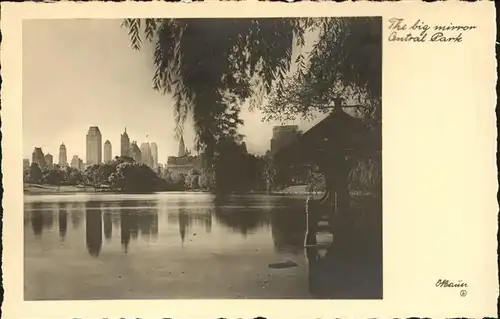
<point x="97" y="152"/>
<point x="111" y="102"/>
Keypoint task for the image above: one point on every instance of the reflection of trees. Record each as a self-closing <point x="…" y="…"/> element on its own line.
<point x="40" y="217"/>
<point x="63" y="220"/>
<point x="93" y="218"/>
<point x="287" y="228"/>
<point x="37" y="222"/>
<point x="241" y="218"/>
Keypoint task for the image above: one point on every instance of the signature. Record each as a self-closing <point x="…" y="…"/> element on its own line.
<point x="445" y="283"/>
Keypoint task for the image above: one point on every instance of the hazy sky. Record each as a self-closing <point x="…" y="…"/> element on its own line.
<point x="82" y="73"/>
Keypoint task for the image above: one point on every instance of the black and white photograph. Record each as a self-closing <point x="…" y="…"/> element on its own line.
<point x="202" y="158"/>
<point x="223" y="159"/>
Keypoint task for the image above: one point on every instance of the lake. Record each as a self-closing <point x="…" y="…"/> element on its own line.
<point x="166" y="246"/>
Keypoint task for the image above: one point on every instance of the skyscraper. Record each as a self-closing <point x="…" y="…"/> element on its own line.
<point x="182" y="148"/>
<point x="135" y="152"/>
<point x="94" y="146"/>
<point x="107" y="151"/>
<point x="49" y="160"/>
<point x="146" y="154"/>
<point x="154" y="154"/>
<point x="38" y="157"/>
<point x="125" y="144"/>
<point x="77" y="163"/>
<point x="63" y="159"/>
<point x="283" y="136"/>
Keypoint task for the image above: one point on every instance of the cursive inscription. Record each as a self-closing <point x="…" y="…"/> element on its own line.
<point x="445" y="283"/>
<point x="418" y="31"/>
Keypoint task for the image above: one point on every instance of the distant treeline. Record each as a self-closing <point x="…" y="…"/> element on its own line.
<point x="233" y="170"/>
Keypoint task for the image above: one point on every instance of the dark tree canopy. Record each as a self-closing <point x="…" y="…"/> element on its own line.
<point x="212" y="66"/>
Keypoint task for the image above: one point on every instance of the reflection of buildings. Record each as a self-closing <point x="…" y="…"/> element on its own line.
<point x="107" y="151"/>
<point x="134" y="223"/>
<point x="49" y="160"/>
<point x="94" y="146"/>
<point x="63" y="221"/>
<point x="93" y="219"/>
<point x="38" y="157"/>
<point x="108" y="226"/>
<point x="183" y="163"/>
<point x="283" y="136"/>
<point x="63" y="157"/>
<point x="185" y="219"/>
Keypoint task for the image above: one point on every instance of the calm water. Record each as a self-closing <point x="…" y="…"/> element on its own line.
<point x="186" y="245"/>
<point x="165" y="245"/>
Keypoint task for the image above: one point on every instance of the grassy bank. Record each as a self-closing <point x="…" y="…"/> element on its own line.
<point x="32" y="189"/>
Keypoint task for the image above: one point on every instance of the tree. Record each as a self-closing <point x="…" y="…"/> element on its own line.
<point x="92" y="176"/>
<point x="193" y="179"/>
<point x="212" y="66"/>
<point x="35" y="173"/>
<point x="54" y="177"/>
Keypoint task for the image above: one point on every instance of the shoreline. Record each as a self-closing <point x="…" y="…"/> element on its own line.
<point x="41" y="189"/>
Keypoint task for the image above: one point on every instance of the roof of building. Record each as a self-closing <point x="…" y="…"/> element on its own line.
<point x="338" y="132"/>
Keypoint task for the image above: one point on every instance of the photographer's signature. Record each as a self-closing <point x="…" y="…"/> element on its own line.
<point x="446" y="283"/>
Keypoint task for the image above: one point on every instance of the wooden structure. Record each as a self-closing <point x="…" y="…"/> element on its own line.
<point x="329" y="145"/>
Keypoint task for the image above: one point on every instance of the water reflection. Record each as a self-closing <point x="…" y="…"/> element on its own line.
<point x="93" y="220"/>
<point x="108" y="226"/>
<point x="288" y="228"/>
<point x="63" y="220"/>
<point x="37" y="222"/>
<point x="241" y="216"/>
<point x="332" y="275"/>
<point x="133" y="219"/>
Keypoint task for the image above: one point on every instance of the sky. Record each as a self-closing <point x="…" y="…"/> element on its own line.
<point x="81" y="73"/>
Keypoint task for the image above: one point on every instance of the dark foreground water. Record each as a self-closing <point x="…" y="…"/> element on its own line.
<point x="171" y="245"/>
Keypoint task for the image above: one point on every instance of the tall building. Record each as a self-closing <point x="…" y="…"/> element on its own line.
<point x="135" y="152"/>
<point x="77" y="163"/>
<point x="49" y="160"/>
<point x="107" y="152"/>
<point x="183" y="163"/>
<point x="147" y="158"/>
<point x="125" y="144"/>
<point x="94" y="146"/>
<point x="38" y="157"/>
<point x="154" y="154"/>
<point x="282" y="136"/>
<point x="182" y="148"/>
<point x="63" y="158"/>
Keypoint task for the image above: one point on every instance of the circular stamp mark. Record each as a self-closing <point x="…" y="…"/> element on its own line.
<point x="463" y="293"/>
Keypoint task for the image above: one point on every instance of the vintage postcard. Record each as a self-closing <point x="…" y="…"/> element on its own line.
<point x="244" y="159"/>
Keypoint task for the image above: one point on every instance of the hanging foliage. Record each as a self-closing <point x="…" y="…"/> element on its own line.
<point x="212" y="66"/>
